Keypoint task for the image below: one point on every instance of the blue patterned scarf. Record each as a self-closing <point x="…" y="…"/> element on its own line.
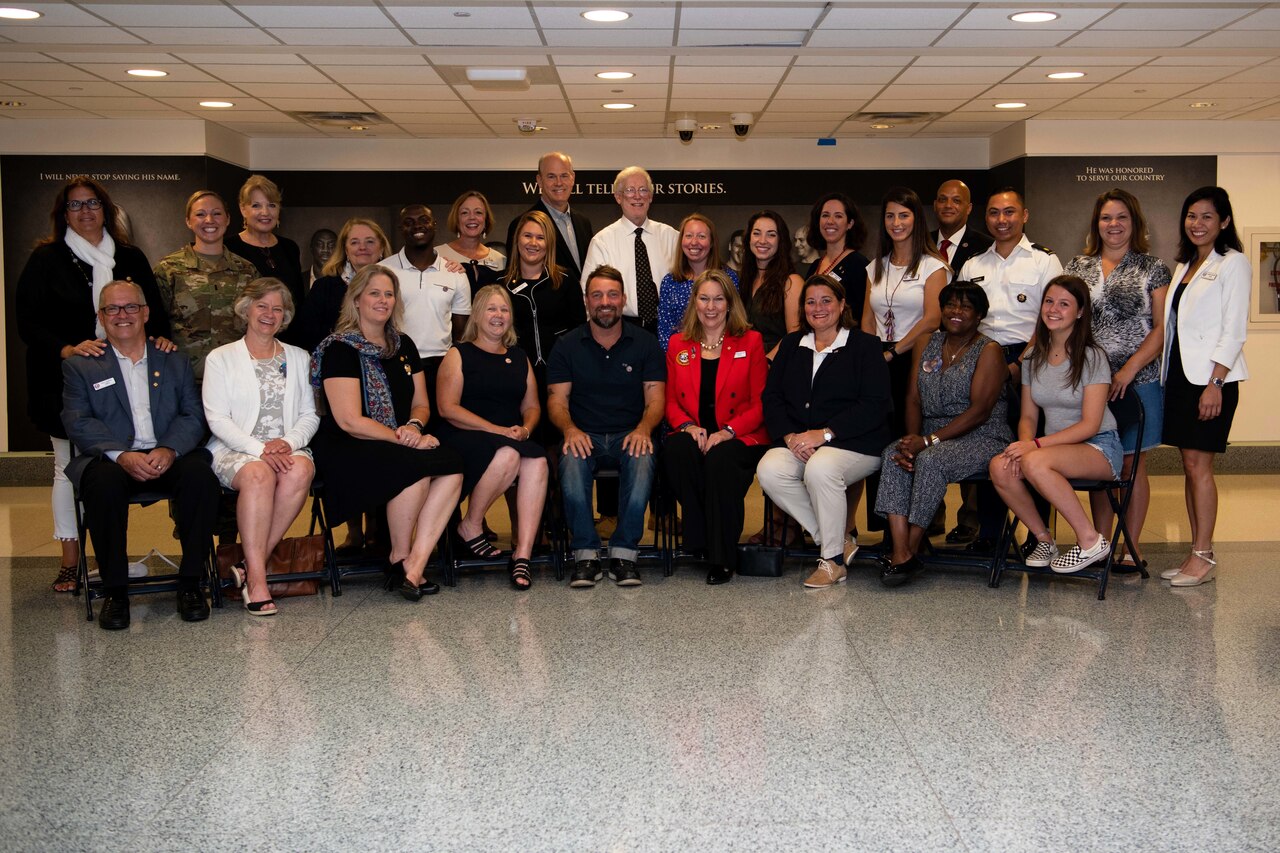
<point x="373" y="379"/>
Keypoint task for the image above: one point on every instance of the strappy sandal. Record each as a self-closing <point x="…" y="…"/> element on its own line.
<point x="1182" y="579"/>
<point x="521" y="579"/>
<point x="255" y="608"/>
<point x="479" y="547"/>
<point x="66" y="579"/>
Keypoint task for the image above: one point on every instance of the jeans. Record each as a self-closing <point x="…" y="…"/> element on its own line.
<point x="635" y="474"/>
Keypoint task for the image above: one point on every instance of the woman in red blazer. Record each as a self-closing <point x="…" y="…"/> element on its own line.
<point x="715" y="374"/>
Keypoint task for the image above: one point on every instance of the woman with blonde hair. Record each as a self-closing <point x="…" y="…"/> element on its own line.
<point x="471" y="218"/>
<point x="258" y="243"/>
<point x="699" y="252"/>
<point x="489" y="400"/>
<point x="360" y="242"/>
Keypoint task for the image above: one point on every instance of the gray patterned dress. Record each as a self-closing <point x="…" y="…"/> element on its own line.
<point x="944" y="394"/>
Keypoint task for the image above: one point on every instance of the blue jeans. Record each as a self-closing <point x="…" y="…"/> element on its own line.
<point x="635" y="479"/>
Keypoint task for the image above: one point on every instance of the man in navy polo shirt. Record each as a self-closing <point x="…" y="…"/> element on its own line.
<point x="607" y="387"/>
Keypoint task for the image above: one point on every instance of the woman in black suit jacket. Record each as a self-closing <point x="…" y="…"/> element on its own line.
<point x="826" y="404"/>
<point x="57" y="319"/>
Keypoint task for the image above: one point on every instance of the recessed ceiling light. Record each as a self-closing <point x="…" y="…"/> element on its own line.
<point x="618" y="106"/>
<point x="881" y="126"/>
<point x="19" y="14"/>
<point x="615" y="75"/>
<point x="1065" y="75"/>
<point x="709" y="126"/>
<point x="497" y="75"/>
<point x="1033" y="17"/>
<point x="1010" y="105"/>
<point x="1199" y="105"/>
<point x="606" y="16"/>
<point x="147" y="72"/>
<point x="12" y="104"/>
<point x="357" y="127"/>
<point x="462" y="14"/>
<point x="217" y="105"/>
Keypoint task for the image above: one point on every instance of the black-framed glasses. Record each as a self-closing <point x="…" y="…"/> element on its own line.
<point x="91" y="203"/>
<point x="113" y="310"/>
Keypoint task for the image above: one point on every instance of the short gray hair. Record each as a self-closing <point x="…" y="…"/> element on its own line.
<point x="137" y="291"/>
<point x="628" y="172"/>
<point x="257" y="289"/>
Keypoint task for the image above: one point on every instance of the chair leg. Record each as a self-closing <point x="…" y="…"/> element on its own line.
<point x="1002" y="549"/>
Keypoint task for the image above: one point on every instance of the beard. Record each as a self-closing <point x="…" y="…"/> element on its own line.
<point x="607" y="322"/>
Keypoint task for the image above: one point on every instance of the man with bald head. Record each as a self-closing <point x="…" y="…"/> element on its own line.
<point x="957" y="241"/>
<point x="573" y="230"/>
<point x="137" y="423"/>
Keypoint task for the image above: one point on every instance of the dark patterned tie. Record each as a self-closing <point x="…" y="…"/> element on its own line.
<point x="646" y="290"/>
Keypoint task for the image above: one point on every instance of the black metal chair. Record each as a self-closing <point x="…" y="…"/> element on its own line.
<point x="330" y="570"/>
<point x="1128" y="411"/>
<point x="137" y="586"/>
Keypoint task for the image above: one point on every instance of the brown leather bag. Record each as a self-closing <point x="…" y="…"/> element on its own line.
<point x="300" y="554"/>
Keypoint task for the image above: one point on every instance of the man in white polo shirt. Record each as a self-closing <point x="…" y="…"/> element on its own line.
<point x="436" y="300"/>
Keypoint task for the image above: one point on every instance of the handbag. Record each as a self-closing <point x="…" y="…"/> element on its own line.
<point x="296" y="555"/>
<point x="760" y="561"/>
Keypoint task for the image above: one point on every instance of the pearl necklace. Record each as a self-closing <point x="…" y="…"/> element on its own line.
<point x="715" y="346"/>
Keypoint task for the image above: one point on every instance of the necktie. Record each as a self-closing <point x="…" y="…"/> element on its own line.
<point x="646" y="290"/>
<point x="943" y="246"/>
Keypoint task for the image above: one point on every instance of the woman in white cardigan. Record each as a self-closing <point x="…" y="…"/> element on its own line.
<point x="261" y="410"/>
<point x="1205" y="321"/>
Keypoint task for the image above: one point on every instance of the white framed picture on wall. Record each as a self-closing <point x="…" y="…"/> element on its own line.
<point x="1263" y="246"/>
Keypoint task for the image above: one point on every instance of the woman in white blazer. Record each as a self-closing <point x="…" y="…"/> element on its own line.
<point x="1205" y="321"/>
<point x="261" y="410"/>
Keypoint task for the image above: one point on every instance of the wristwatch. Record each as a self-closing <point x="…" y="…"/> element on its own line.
<point x="827" y="435"/>
<point x="1217" y="382"/>
<point x="416" y="423"/>
<point x="730" y="430"/>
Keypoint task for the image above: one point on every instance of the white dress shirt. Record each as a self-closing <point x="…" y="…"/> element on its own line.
<point x="1014" y="286"/>
<point x="615" y="245"/>
<point x="431" y="297"/>
<point x="956" y="239"/>
<point x="139" y="394"/>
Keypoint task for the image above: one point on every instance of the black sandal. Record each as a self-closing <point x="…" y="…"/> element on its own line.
<point x="480" y="547"/>
<point x="67" y="574"/>
<point x="521" y="578"/>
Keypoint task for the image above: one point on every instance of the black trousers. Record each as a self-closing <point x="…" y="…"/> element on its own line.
<point x="711" y="489"/>
<point x="193" y="489"/>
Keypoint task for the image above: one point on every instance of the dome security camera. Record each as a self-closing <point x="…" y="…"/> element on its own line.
<point x="741" y="123"/>
<point x="685" y="128"/>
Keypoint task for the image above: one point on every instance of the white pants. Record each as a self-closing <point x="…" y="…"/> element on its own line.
<point x="64" y="509"/>
<point x="813" y="492"/>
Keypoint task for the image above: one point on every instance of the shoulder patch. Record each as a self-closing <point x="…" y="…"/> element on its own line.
<point x="1041" y="248"/>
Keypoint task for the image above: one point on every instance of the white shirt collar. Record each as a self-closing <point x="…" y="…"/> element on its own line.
<point x="842" y="338"/>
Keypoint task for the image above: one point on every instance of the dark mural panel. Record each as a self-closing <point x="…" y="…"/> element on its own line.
<point x="153" y="190"/>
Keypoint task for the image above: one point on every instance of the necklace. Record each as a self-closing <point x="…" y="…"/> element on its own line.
<point x="269" y="358"/>
<point x="715" y="346"/>
<point x="890" y="327"/>
<point x="958" y="352"/>
<point x="828" y="266"/>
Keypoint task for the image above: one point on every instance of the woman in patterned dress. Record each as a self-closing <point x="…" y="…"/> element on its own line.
<point x="1127" y="287"/>
<point x="262" y="413"/>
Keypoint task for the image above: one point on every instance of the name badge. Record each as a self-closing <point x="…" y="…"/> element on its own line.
<point x="106" y="383"/>
<point x="1210" y="276"/>
<point x="834" y="275"/>
<point x="740" y="354"/>
<point x="519" y="287"/>
<point x="915" y="277"/>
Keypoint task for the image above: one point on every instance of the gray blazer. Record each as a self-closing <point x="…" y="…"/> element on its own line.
<point x="98" y="417"/>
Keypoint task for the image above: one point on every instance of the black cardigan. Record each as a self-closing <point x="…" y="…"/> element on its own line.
<point x="55" y="309"/>
<point x="850" y="393"/>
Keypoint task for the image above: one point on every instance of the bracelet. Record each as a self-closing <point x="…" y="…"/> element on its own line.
<point x="685" y="426"/>
<point x="1037" y="442"/>
<point x="414" y="422"/>
<point x="933" y="439"/>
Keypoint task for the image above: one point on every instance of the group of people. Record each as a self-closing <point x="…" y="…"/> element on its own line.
<point x="408" y="381"/>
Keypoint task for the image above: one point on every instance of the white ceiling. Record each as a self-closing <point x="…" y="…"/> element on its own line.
<point x="803" y="68"/>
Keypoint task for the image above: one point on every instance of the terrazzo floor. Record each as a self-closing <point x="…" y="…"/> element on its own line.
<point x="675" y="716"/>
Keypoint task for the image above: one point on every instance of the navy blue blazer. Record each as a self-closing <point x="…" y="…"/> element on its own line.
<point x="97" y="415"/>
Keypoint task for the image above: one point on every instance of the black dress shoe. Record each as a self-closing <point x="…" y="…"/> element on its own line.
<point x="623" y="572"/>
<point x="897" y="575"/>
<point x="960" y="533"/>
<point x="718" y="575"/>
<point x="981" y="545"/>
<point x="192" y="606"/>
<point x="428" y="587"/>
<point x="936" y="529"/>
<point x="585" y="574"/>
<point x="114" y="615"/>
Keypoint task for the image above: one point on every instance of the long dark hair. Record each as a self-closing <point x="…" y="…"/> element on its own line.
<point x="1227" y="238"/>
<point x="854" y="238"/>
<point x="921" y="242"/>
<point x="1079" y="342"/>
<point x="555" y="272"/>
<point x="58" y="215"/>
<point x="1139" y="242"/>
<point x="774" y="286"/>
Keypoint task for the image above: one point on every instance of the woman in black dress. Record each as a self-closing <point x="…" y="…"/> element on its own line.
<point x="769" y="284"/>
<point x="274" y="256"/>
<point x="1205" y="323"/>
<point x="57" y="306"/>
<point x="837" y="231"/>
<point x="488" y="397"/>
<point x="546" y="302"/>
<point x="371" y="449"/>
<point x="360" y="243"/>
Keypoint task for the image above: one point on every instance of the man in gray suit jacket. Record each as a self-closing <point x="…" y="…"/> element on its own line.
<point x="573" y="230"/>
<point x="136" y="420"/>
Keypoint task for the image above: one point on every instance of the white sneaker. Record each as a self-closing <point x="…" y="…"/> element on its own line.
<point x="1076" y="558"/>
<point x="1043" y="554"/>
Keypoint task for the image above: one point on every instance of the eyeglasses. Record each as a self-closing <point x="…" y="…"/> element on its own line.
<point x="130" y="308"/>
<point x="637" y="192"/>
<point x="91" y="203"/>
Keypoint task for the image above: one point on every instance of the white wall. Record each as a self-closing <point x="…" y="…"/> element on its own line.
<point x="1248" y="167"/>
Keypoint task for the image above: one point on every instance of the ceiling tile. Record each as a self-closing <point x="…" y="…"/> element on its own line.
<point x="882" y="105"/>
<point x="737" y="61"/>
<point x="1086" y="60"/>
<point x="347" y="74"/>
<point x="269" y="74"/>
<point x="984" y="17"/>
<point x="53" y="15"/>
<point x="363" y="37"/>
<point x="41" y="71"/>
<point x="603" y="89"/>
<point x="829" y="60"/>
<point x="327" y="104"/>
<point x="986" y="59"/>
<point x="168" y="15"/>
<point x="1108" y="104"/>
<point x="359" y="58"/>
<point x="809" y="92"/>
<point x="533" y="93"/>
<point x="1141" y="18"/>
<point x="1262" y="19"/>
<point x="196" y="90"/>
<point x="996" y="40"/>
<point x="1262" y="74"/>
<point x="758" y="18"/>
<point x="1093" y="73"/>
<point x="755" y="92"/>
<point x="1045" y="89"/>
<point x="890" y="17"/>
<point x="391" y="108"/>
<point x="294" y="90"/>
<point x="75" y="88"/>
<point x="873" y="38"/>
<point x="477" y="16"/>
<point x="498" y="37"/>
<point x="829" y="75"/>
<point x="625" y="40"/>
<point x="935" y="93"/>
<point x="229" y="58"/>
<point x="942" y="74"/>
<point x="642" y="18"/>
<point x="100" y="104"/>
<point x="628" y="61"/>
<point x="1173" y="74"/>
<point x="738" y="38"/>
<point x="243" y="102"/>
<point x="757" y="76"/>
<point x="407" y="92"/>
<point x="353" y="16"/>
<point x="644" y="76"/>
<point x="1131" y="38"/>
<point x="70" y="35"/>
<point x="178" y="72"/>
<point x="1150" y="90"/>
<point x="798" y="105"/>
<point x="1239" y="39"/>
<point x="203" y="36"/>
